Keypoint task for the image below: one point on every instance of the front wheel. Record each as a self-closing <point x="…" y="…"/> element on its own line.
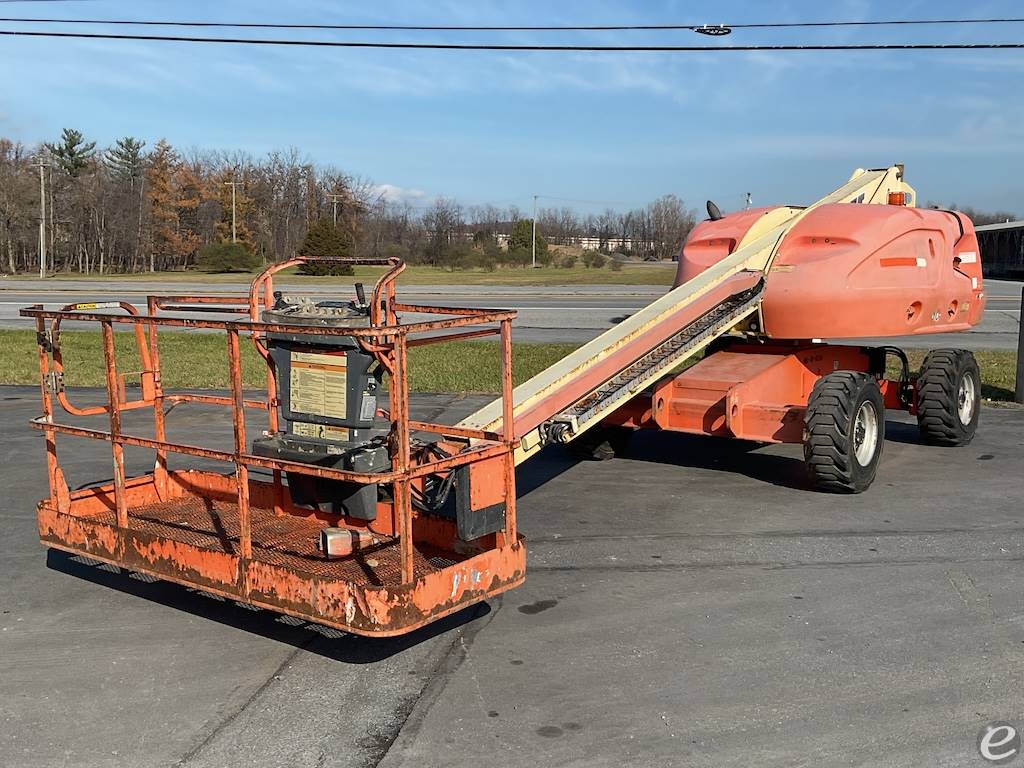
<point x="948" y="397"/>
<point x="844" y="429"/>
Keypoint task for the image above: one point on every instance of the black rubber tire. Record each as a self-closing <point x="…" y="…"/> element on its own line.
<point x="939" y="397"/>
<point x="601" y="443"/>
<point x="829" y="431"/>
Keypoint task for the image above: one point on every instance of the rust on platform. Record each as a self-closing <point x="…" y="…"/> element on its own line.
<point x="285" y="540"/>
<point x="234" y="536"/>
<point x="195" y="540"/>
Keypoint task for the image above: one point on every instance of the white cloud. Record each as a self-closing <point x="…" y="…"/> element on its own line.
<point x="392" y="193"/>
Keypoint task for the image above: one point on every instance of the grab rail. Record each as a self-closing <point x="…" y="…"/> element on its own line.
<point x="387" y="339"/>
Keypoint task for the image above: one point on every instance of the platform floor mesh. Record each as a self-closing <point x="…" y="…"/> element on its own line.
<point x="285" y="540"/>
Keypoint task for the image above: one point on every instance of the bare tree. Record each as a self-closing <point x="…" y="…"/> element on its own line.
<point x="670" y="224"/>
<point x="443" y="221"/>
<point x="123" y="210"/>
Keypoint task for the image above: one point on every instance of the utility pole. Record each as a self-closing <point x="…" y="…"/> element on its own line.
<point x="334" y="202"/>
<point x="42" y="217"/>
<point x="138" y="231"/>
<point x="234" y="229"/>
<point x="1018" y="394"/>
<point x="534" y="245"/>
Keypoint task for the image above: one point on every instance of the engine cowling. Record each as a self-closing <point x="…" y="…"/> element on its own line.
<point x="848" y="270"/>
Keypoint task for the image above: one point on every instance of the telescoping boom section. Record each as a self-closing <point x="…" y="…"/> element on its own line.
<point x="584" y="388"/>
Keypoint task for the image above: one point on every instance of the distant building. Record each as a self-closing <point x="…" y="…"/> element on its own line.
<point x="587" y="242"/>
<point x="595" y="243"/>
<point x="1002" y="249"/>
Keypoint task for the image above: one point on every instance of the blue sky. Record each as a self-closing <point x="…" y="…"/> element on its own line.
<point x="611" y="129"/>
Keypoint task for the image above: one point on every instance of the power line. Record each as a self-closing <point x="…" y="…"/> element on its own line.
<point x="503" y="28"/>
<point x="527" y="47"/>
<point x="877" y="23"/>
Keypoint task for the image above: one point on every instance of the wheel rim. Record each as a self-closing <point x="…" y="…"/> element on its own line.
<point x="865" y="433"/>
<point x="966" y="400"/>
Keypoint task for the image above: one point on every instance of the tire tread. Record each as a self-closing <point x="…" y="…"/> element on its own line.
<point x="826" y="444"/>
<point x="937" y="391"/>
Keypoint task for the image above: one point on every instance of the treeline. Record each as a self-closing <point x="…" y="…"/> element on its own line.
<point x="980" y="218"/>
<point x="441" y="234"/>
<point x="132" y="207"/>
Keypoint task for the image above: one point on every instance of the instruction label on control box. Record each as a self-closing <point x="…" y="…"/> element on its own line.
<point x="322" y="431"/>
<point x="319" y="384"/>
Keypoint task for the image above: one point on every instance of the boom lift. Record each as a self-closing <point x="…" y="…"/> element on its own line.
<point x="357" y="516"/>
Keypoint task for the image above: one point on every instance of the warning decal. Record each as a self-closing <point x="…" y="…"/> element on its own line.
<point x="318" y="384"/>
<point x="322" y="431"/>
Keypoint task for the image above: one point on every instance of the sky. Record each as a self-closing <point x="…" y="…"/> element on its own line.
<point x="586" y="130"/>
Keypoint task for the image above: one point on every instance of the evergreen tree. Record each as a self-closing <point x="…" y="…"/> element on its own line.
<point x="191" y="192"/>
<point x="226" y="257"/>
<point x="72" y="152"/>
<point x="325" y="241"/>
<point x="173" y="192"/>
<point x="124" y="159"/>
<point x="522" y="237"/>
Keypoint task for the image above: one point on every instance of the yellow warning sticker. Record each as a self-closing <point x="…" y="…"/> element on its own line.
<point x="322" y="431"/>
<point x="318" y="384"/>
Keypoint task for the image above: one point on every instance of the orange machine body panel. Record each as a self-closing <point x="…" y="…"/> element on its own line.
<point x="752" y="392"/>
<point x="711" y="241"/>
<point x="849" y="270"/>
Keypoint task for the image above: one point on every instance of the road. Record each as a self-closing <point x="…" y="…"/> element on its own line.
<point x="691" y="605"/>
<point x="573" y="314"/>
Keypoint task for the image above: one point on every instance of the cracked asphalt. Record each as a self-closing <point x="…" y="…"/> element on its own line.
<point x="691" y="605"/>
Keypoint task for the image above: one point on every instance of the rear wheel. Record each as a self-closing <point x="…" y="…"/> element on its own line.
<point x="844" y="430"/>
<point x="601" y="443"/>
<point x="948" y="397"/>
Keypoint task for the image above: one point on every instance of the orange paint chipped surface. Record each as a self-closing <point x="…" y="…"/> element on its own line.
<point x="246" y="539"/>
<point x="188" y="560"/>
<point x="194" y="539"/>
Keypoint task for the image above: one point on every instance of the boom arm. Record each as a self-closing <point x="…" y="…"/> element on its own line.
<point x="577" y="392"/>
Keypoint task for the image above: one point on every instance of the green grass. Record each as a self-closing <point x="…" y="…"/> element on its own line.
<point x="630" y="274"/>
<point x="199" y="361"/>
<point x="998" y="371"/>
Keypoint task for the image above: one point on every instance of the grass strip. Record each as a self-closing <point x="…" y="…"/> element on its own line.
<point x="630" y="274"/>
<point x="199" y="361"/>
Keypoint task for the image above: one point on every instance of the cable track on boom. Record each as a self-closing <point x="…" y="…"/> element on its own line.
<point x="663" y="357"/>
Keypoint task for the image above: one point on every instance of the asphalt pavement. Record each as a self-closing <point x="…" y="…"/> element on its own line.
<point x="551" y="313"/>
<point x="694" y="604"/>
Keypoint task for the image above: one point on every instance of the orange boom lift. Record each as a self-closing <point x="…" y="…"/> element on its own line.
<point x="345" y="511"/>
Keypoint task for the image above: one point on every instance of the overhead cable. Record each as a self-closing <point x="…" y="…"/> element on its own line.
<point x="519" y="47"/>
<point x="516" y="28"/>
